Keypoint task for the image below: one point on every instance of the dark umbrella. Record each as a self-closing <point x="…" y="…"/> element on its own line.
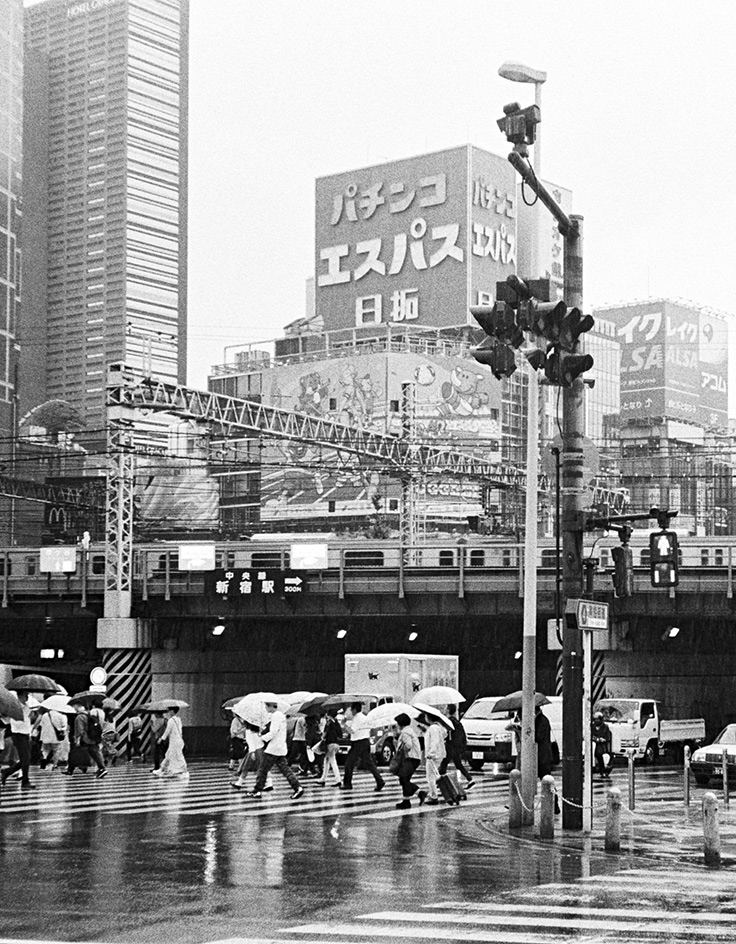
<point x="340" y="700"/>
<point x="32" y="683"/>
<point x="513" y="701"/>
<point x="314" y="706"/>
<point x="10" y="707"/>
<point x="87" y="699"/>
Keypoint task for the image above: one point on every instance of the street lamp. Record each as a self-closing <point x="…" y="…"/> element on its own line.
<point x="516" y="72"/>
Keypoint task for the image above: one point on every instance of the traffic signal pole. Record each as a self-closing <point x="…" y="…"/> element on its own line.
<point x="573" y="421"/>
<point x="573" y="486"/>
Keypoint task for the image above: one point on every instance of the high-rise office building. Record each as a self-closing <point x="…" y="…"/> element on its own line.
<point x="105" y="210"/>
<point x="11" y="133"/>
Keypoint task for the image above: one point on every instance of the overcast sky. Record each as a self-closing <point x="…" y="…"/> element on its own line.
<point x="638" y="120"/>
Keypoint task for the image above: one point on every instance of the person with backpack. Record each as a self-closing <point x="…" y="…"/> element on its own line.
<point x="455" y="748"/>
<point x="87" y="738"/>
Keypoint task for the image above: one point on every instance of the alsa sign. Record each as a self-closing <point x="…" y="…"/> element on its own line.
<point x="235" y="583"/>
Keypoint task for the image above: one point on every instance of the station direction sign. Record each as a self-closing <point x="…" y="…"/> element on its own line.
<point x="235" y="583"/>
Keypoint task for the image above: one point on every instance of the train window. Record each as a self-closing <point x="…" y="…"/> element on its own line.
<point x="225" y="560"/>
<point x="605" y="557"/>
<point x="363" y="558"/>
<point x="31" y="566"/>
<point x="2" y="567"/>
<point x="447" y="558"/>
<point x="98" y="563"/>
<point x="508" y="558"/>
<point x="704" y="556"/>
<point x="718" y="553"/>
<point x="270" y="559"/>
<point x="477" y="557"/>
<point x="173" y="562"/>
<point x="644" y="557"/>
<point x="549" y="558"/>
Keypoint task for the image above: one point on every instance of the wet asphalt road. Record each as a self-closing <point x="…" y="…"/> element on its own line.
<point x="131" y="858"/>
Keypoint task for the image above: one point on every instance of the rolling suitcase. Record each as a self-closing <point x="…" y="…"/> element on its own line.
<point x="447" y="786"/>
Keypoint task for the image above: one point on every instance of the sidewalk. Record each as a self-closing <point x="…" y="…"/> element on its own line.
<point x="657" y="828"/>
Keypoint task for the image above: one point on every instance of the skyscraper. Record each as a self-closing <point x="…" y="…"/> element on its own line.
<point x="105" y="210"/>
<point x="11" y="129"/>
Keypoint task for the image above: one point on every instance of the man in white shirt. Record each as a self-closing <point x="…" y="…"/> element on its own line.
<point x="20" y="732"/>
<point x="360" y="748"/>
<point x="274" y="754"/>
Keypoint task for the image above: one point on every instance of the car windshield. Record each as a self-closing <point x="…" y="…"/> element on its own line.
<point x="727" y="735"/>
<point x="619" y="710"/>
<point x="483" y="711"/>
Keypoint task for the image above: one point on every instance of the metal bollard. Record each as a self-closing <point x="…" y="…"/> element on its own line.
<point x="547" y="810"/>
<point x="515" y="810"/>
<point x="632" y="788"/>
<point x="711" y="834"/>
<point x="686" y="774"/>
<point x="613" y="820"/>
<point x="724" y="773"/>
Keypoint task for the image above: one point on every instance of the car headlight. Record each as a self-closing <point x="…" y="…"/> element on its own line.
<point x="698" y="756"/>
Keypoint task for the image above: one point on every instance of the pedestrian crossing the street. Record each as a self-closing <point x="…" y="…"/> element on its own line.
<point x="132" y="790"/>
<point x="630" y="907"/>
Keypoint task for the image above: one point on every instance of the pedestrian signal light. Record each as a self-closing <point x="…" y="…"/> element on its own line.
<point x="663" y="559"/>
<point x="500" y="358"/>
<point x="623" y="572"/>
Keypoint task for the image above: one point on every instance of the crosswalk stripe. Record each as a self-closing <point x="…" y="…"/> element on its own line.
<point x="594" y="921"/>
<point x="133" y="792"/>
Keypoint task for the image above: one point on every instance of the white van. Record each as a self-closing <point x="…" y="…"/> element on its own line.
<point x="490" y="742"/>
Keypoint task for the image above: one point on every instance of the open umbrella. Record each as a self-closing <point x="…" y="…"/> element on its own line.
<point x="296" y="698"/>
<point x="230" y="703"/>
<point x="58" y="703"/>
<point x="439" y="695"/>
<point x="513" y="701"/>
<point x="252" y="708"/>
<point x="32" y="683"/>
<point x="88" y="699"/>
<point x="163" y="704"/>
<point x="433" y="713"/>
<point x="111" y="703"/>
<point x="340" y="700"/>
<point x="10" y="707"/>
<point x="314" y="706"/>
<point x="386" y="714"/>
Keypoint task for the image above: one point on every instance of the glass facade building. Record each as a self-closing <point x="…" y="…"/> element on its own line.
<point x="106" y="95"/>
<point x="11" y="136"/>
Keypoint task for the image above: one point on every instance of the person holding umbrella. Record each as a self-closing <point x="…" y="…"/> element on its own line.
<point x="20" y="732"/>
<point x="360" y="748"/>
<point x="330" y="737"/>
<point x="173" y="764"/>
<point x="274" y="754"/>
<point x="85" y="743"/>
<point x="407" y="758"/>
<point x="434" y="754"/>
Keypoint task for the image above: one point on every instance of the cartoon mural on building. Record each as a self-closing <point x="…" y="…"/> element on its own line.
<point x="456" y="403"/>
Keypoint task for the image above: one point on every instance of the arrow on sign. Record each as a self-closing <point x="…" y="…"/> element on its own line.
<point x="294" y="581"/>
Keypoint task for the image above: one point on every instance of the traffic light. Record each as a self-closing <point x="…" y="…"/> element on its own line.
<point x="499" y="357"/>
<point x="663" y="559"/>
<point x="572" y="325"/>
<point x="520" y="124"/>
<point x="562" y="369"/>
<point x="623" y="572"/>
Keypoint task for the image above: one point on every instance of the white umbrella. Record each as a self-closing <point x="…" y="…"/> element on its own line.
<point x="438" y="695"/>
<point x="296" y="698"/>
<point x="386" y="714"/>
<point x="252" y="708"/>
<point x="59" y="703"/>
<point x="433" y="714"/>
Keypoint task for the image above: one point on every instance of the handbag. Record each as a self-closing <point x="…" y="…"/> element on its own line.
<point x="396" y="761"/>
<point x="59" y="734"/>
<point x="79" y="757"/>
